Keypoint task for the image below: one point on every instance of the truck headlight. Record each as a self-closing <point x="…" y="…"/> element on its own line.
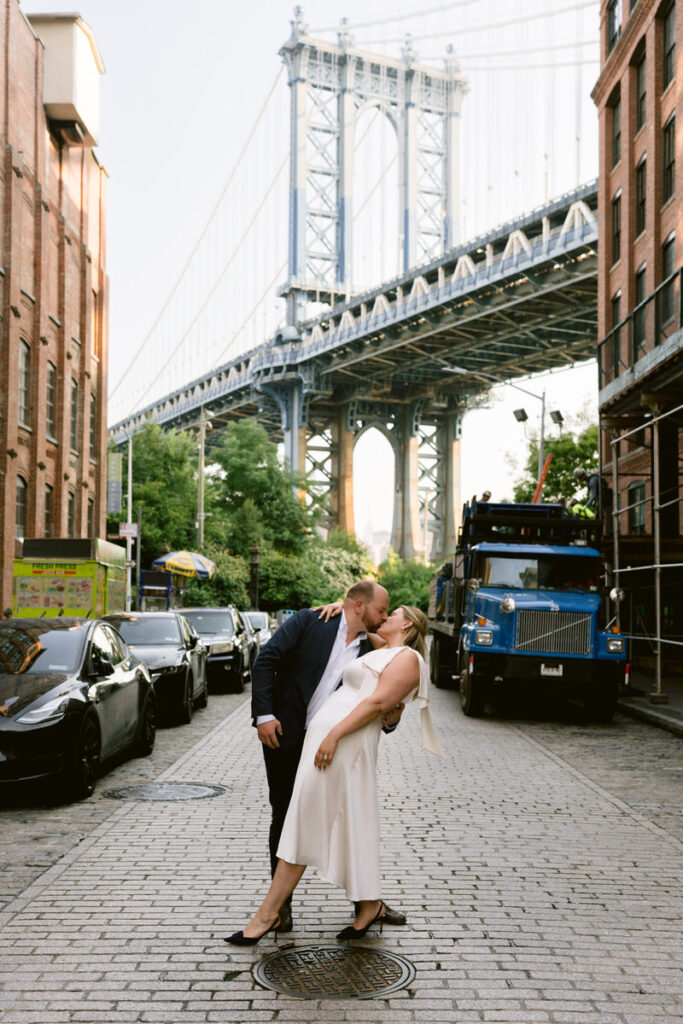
<point x="484" y="637"/>
<point x="615" y="645"/>
<point x="508" y="604"/>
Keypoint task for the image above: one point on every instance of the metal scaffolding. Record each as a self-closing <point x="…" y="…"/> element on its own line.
<point x="656" y="566"/>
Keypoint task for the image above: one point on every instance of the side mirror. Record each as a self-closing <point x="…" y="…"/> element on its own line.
<point x="192" y="642"/>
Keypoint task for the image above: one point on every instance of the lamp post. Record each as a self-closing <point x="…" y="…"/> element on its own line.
<point x="253" y="576"/>
<point x="519" y="414"/>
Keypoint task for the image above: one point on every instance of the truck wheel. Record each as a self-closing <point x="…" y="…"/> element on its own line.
<point x="472" y="690"/>
<point x="601" y="706"/>
<point x="440" y="669"/>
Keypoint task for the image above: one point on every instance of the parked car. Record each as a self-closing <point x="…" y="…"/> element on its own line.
<point x="72" y="694"/>
<point x="261" y="623"/>
<point x="253" y="641"/>
<point x="229" y="656"/>
<point x="174" y="655"/>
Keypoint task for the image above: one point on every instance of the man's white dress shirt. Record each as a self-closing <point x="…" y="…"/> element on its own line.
<point x="341" y="655"/>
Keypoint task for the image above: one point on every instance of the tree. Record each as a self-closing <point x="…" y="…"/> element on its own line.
<point x="164" y="483"/>
<point x="407" y="581"/>
<point x="570" y="451"/>
<point x="252" y="497"/>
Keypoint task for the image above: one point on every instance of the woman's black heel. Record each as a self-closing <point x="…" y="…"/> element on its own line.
<point x="240" y="939"/>
<point x="358" y="933"/>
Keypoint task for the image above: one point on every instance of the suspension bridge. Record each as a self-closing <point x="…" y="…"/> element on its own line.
<point x="342" y="316"/>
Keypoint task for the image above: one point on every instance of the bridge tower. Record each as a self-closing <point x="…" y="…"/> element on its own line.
<point x="331" y="86"/>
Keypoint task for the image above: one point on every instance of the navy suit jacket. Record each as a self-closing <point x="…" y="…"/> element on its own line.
<point x="289" y="668"/>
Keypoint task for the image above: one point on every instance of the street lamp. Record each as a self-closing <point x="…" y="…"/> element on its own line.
<point x="519" y="414"/>
<point x="253" y="575"/>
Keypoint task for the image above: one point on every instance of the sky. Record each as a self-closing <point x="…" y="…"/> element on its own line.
<point x="183" y="88"/>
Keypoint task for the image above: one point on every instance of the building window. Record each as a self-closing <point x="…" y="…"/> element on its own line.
<point x="616" y="227"/>
<point x="20" y="525"/>
<point x="71" y="515"/>
<point x="616" y="333"/>
<point x="668" y="267"/>
<point x="641" y="93"/>
<point x="93" y="426"/>
<point x="616" y="131"/>
<point x="669" y="148"/>
<point x="24" y="383"/>
<point x="613" y="23"/>
<point x="91" y="517"/>
<point x="636" y="508"/>
<point x="641" y="193"/>
<point x="51" y="401"/>
<point x="47" y="525"/>
<point x="639" y="314"/>
<point x="669" y="66"/>
<point x="73" y="438"/>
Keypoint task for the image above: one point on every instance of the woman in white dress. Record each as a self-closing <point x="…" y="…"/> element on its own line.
<point x="333" y="821"/>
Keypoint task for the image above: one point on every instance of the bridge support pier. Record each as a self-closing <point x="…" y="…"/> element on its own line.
<point x="343" y="441"/>
<point x="290" y="401"/>
<point x="448" y="498"/>
<point x="405" y="534"/>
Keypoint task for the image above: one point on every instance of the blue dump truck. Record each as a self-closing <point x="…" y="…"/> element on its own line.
<point x="523" y="604"/>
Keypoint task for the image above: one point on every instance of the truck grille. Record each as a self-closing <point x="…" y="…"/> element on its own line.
<point x="547" y="632"/>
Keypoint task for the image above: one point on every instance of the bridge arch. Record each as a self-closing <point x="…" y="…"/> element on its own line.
<point x="376" y="240"/>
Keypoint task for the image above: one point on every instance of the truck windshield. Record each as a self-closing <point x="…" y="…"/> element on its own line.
<point x="545" y="572"/>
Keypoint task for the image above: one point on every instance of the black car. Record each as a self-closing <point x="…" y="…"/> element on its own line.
<point x="71" y="695"/>
<point x="174" y="655"/>
<point x="223" y="632"/>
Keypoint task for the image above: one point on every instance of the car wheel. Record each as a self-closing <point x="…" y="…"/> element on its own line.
<point x="472" y="689"/>
<point x="187" y="706"/>
<point x="203" y="698"/>
<point x="148" y="729"/>
<point x="81" y="774"/>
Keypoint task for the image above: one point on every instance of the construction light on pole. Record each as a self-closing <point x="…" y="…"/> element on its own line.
<point x="519" y="414"/>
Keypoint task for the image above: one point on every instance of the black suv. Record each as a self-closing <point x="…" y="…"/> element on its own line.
<point x="228" y="665"/>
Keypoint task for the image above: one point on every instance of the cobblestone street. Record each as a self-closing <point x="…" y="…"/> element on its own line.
<point x="539" y="867"/>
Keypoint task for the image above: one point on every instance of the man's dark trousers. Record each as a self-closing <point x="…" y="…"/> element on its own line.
<point x="281" y="766"/>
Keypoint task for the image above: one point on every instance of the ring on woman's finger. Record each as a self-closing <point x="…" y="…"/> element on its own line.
<point x="324" y="757"/>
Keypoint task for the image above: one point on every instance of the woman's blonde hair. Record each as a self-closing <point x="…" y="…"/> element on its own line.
<point x="415" y="636"/>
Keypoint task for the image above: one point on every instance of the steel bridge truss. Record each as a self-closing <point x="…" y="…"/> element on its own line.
<point x="519" y="300"/>
<point x="330" y="86"/>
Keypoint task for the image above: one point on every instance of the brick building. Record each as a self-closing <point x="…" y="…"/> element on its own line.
<point x="53" y="341"/>
<point x="639" y="96"/>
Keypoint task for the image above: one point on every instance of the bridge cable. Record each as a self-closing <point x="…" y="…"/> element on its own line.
<point x="270" y="284"/>
<point x="220" y="277"/>
<point x="171" y="294"/>
<point x="486" y="28"/>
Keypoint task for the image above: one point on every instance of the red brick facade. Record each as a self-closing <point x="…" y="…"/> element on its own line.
<point x="53" y="341"/>
<point x="639" y="97"/>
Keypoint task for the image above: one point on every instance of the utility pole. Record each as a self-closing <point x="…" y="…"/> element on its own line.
<point x="204" y="425"/>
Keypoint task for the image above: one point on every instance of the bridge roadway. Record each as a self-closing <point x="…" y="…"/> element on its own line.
<point x="517" y="300"/>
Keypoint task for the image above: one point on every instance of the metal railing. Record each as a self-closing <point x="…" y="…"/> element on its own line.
<point x="643" y="330"/>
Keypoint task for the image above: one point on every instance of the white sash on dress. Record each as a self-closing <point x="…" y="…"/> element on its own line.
<point x="430" y="740"/>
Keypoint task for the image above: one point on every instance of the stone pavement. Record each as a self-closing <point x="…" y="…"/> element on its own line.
<point x="533" y="895"/>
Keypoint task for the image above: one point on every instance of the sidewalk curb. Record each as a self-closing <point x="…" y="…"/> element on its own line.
<point x="652" y="715"/>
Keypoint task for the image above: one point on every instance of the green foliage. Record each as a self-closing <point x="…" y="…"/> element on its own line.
<point x="164" y="483"/>
<point x="570" y="451"/>
<point x="228" y="585"/>
<point x="407" y="581"/>
<point x="252" y="497"/>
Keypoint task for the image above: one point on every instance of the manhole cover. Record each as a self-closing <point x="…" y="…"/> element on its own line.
<point x="333" y="972"/>
<point x="166" y="791"/>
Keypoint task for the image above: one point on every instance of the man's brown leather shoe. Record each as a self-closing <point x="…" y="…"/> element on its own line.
<point x="391" y="916"/>
<point x="285" y="924"/>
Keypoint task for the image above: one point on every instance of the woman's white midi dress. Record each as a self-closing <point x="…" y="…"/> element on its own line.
<point x="333" y="818"/>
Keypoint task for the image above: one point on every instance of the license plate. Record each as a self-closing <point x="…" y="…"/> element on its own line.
<point x="552" y="670"/>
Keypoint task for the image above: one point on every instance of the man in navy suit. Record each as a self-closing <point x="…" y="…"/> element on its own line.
<point x="297" y="670"/>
